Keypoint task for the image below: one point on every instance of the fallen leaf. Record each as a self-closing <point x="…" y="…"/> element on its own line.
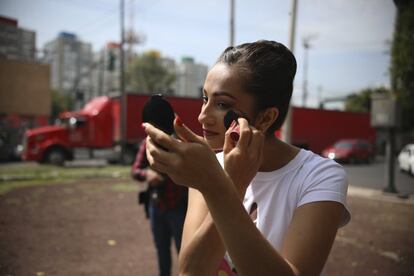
<point x="111" y="242"/>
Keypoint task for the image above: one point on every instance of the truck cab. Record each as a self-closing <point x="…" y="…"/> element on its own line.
<point x="88" y="128"/>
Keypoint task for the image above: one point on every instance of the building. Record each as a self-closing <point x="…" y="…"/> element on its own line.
<point x="25" y="99"/>
<point x="71" y="64"/>
<point x="16" y="43"/>
<point x="25" y="102"/>
<point x="190" y="78"/>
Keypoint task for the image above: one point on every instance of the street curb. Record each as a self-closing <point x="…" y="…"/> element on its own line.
<point x="375" y="194"/>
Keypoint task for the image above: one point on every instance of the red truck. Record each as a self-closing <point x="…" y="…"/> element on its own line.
<point x="96" y="130"/>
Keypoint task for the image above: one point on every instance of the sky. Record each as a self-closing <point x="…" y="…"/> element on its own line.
<point x="349" y="40"/>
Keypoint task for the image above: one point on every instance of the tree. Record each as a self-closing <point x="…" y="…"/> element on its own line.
<point x="402" y="61"/>
<point x="60" y="103"/>
<point x="147" y="74"/>
<point x="361" y="101"/>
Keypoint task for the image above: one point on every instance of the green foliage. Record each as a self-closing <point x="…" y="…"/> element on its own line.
<point x="28" y="175"/>
<point x="60" y="103"/>
<point x="147" y="74"/>
<point x="361" y="101"/>
<point x="402" y="64"/>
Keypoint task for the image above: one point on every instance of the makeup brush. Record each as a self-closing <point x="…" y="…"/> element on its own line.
<point x="231" y="116"/>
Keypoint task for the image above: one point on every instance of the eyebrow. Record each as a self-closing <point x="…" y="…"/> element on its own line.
<point x="221" y="93"/>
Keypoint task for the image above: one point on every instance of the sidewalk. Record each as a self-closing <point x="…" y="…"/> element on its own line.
<point x="376" y="194"/>
<point x="378" y="240"/>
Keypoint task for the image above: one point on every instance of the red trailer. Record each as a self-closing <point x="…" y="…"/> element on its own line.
<point x="317" y="129"/>
<point x="96" y="129"/>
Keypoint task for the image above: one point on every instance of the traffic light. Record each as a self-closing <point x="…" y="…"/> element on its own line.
<point x="111" y="60"/>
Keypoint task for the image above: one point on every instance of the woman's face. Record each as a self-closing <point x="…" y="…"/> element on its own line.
<point x="222" y="91"/>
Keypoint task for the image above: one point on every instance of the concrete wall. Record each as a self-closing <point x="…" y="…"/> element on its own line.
<point x="24" y="88"/>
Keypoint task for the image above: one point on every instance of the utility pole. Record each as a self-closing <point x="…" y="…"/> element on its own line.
<point x="306" y="46"/>
<point x="287" y="127"/>
<point x="101" y="70"/>
<point x="292" y="31"/>
<point x="123" y="99"/>
<point x="232" y="22"/>
<point x="130" y="34"/>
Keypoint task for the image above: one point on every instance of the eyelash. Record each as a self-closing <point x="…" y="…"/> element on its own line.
<point x="221" y="105"/>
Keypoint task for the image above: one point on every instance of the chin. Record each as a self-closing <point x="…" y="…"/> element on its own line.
<point x="214" y="143"/>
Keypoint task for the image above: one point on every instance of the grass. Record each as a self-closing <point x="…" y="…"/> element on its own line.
<point x="22" y="175"/>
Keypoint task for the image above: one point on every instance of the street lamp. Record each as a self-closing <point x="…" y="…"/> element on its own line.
<point x="287" y="127"/>
<point x="306" y="46"/>
<point x="231" y="34"/>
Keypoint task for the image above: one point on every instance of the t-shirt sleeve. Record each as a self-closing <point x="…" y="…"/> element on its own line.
<point x="220" y="158"/>
<point x="326" y="182"/>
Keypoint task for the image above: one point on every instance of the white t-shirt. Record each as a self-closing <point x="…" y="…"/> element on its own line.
<point x="306" y="178"/>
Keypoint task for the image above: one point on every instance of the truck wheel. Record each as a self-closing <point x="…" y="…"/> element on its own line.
<point x="56" y="157"/>
<point x="352" y="160"/>
<point x="128" y="157"/>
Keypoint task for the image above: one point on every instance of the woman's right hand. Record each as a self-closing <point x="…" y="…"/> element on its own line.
<point x="243" y="158"/>
<point x="153" y="178"/>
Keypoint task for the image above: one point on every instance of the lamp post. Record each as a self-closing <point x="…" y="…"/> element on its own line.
<point x="306" y="46"/>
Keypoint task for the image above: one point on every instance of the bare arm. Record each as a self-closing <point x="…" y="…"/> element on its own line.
<point x="306" y="245"/>
<point x="201" y="248"/>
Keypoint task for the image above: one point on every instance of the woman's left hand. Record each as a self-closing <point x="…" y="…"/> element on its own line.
<point x="192" y="164"/>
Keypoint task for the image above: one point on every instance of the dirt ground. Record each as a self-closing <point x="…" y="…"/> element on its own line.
<point x="96" y="228"/>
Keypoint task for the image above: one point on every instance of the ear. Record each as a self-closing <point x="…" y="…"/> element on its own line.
<point x="266" y="119"/>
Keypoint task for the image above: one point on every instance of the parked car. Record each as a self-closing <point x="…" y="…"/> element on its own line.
<point x="406" y="159"/>
<point x="351" y="151"/>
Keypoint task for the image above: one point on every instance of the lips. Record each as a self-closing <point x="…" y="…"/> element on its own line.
<point x="207" y="133"/>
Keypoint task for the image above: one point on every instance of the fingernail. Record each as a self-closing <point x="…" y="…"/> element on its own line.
<point x="233" y="124"/>
<point x="143" y="126"/>
<point x="178" y="121"/>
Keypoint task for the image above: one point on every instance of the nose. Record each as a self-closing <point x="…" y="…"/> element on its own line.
<point x="205" y="117"/>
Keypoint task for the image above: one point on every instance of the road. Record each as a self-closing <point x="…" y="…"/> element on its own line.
<point x="373" y="176"/>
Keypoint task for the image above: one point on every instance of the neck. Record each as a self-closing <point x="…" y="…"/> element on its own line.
<point x="276" y="154"/>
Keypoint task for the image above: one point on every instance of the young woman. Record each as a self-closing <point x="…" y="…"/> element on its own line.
<point x="275" y="209"/>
